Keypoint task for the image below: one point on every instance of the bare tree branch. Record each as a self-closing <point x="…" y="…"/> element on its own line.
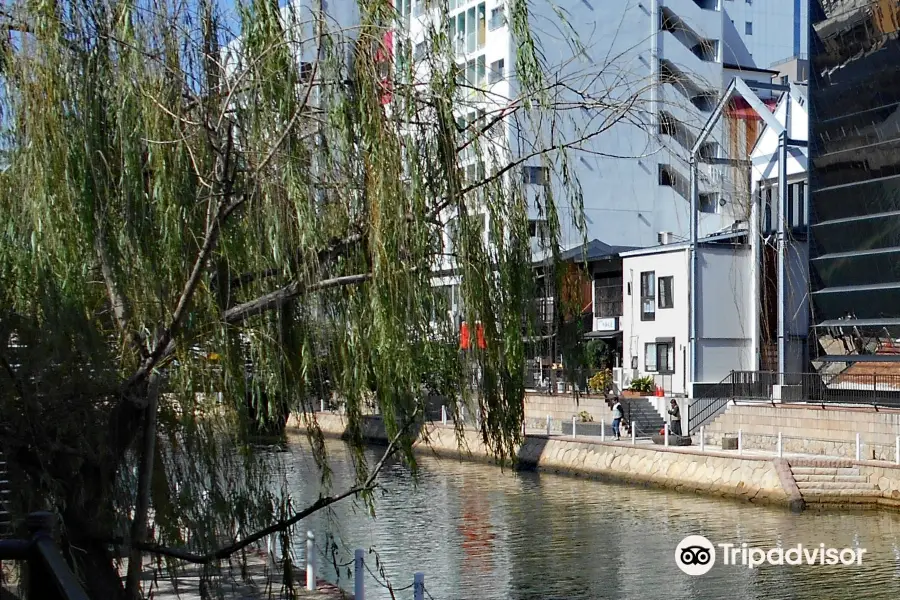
<point x="324" y="501"/>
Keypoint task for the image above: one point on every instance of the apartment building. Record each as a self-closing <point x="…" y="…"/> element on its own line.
<point x="673" y="56"/>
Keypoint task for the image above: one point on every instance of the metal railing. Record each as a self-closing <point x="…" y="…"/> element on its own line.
<point x="48" y="576"/>
<point x="557" y="381"/>
<point x="871" y="389"/>
<point x="878" y="389"/>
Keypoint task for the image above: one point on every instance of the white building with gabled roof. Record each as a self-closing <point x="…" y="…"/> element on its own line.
<point x="737" y="289"/>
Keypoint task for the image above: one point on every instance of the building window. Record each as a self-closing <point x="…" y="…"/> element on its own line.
<point x="799" y="204"/>
<point x="648" y="296"/>
<point x="707" y="203"/>
<point x="659" y="356"/>
<point x="418" y="8"/>
<point x="403" y="7"/>
<point x="665" y="292"/>
<point x="537" y="228"/>
<point x="535" y="175"/>
<point x="480" y="74"/>
<point x="650" y="357"/>
<point x="468" y="28"/>
<point x="496" y="72"/>
<point x="419" y="51"/>
<point x="784" y="80"/>
<point x="498" y="18"/>
<point x="667" y="124"/>
<point x="748" y="28"/>
<point x="608" y="297"/>
<point x="481" y="26"/>
<point x="665" y="176"/>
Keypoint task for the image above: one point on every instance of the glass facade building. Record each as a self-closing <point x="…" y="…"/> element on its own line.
<point x="854" y="94"/>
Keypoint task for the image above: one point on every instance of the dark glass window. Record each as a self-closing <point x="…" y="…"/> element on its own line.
<point x="648" y="296"/>
<point x="854" y="179"/>
<point x="608" y="296"/>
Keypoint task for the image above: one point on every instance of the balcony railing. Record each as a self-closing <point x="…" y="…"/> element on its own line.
<point x="48" y="576"/>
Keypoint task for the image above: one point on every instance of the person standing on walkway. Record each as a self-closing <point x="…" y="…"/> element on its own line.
<point x="617" y="417"/>
<point x="675" y="421"/>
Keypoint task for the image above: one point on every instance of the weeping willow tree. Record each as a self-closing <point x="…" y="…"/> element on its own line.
<point x="208" y="223"/>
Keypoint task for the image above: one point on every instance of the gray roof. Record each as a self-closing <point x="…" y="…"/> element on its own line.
<point x="595" y="250"/>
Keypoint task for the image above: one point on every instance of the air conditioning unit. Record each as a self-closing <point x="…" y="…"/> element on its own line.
<point x="664" y="237"/>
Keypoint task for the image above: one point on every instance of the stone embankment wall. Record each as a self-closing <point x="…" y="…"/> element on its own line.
<point x="562" y="407"/>
<point x="750" y="478"/>
<point x="810" y="429"/>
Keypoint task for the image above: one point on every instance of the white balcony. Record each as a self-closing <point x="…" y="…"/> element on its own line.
<point x="704" y="75"/>
<point x="706" y="22"/>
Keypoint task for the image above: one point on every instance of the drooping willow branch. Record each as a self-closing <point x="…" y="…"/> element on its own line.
<point x="323" y="502"/>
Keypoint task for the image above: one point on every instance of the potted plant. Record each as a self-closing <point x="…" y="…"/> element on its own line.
<point x="601" y="382"/>
<point x="642" y="386"/>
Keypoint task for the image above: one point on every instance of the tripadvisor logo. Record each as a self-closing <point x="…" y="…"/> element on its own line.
<point x="696" y="555"/>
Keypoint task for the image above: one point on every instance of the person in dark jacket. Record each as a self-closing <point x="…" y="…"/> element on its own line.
<point x="675" y="421"/>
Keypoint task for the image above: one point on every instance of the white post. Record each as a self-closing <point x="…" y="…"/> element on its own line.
<point x="665" y="434"/>
<point x="858" y="446"/>
<point x="573" y="428"/>
<point x="310" y="561"/>
<point x="603" y="431"/>
<point x="897" y="451"/>
<point x="322" y="405"/>
<point x="271" y="544"/>
<point x="633" y="435"/>
<point x="443" y="414"/>
<point x="419" y="586"/>
<point x="780" y="446"/>
<point x="702" y="440"/>
<point x="548" y="424"/>
<point x="740" y="441"/>
<point x="359" y="588"/>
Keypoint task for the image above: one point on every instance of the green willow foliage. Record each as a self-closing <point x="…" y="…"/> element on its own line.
<point x="179" y="205"/>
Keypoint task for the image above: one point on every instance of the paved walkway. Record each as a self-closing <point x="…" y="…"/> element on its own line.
<point x="234" y="586"/>
<point x="648" y="443"/>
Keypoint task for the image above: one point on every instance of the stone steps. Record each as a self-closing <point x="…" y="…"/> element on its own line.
<point x="823" y="496"/>
<point x="831" y="478"/>
<point x="825" y="470"/>
<point x="834" y="484"/>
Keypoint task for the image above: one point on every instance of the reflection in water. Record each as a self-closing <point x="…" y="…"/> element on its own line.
<point x="476" y="531"/>
<point x="479" y="533"/>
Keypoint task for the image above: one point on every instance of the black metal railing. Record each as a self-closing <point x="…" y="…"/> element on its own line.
<point x="850" y="386"/>
<point x="710" y="400"/>
<point x="48" y="576"/>
<point x="847" y="387"/>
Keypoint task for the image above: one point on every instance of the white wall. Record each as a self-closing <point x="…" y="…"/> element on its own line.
<point x="724" y="314"/>
<point x="725" y="318"/>
<point x="775" y="34"/>
<point x="669" y="322"/>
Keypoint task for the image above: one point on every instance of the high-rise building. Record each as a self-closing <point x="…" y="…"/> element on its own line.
<point x="672" y="58"/>
<point x="854" y="92"/>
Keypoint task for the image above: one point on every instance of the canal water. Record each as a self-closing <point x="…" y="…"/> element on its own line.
<point x="480" y="533"/>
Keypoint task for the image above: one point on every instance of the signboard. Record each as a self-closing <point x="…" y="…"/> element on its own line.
<point x="606" y="324"/>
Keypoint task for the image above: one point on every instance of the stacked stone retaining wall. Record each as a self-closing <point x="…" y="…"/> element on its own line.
<point x="810" y="429"/>
<point x="749" y="478"/>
